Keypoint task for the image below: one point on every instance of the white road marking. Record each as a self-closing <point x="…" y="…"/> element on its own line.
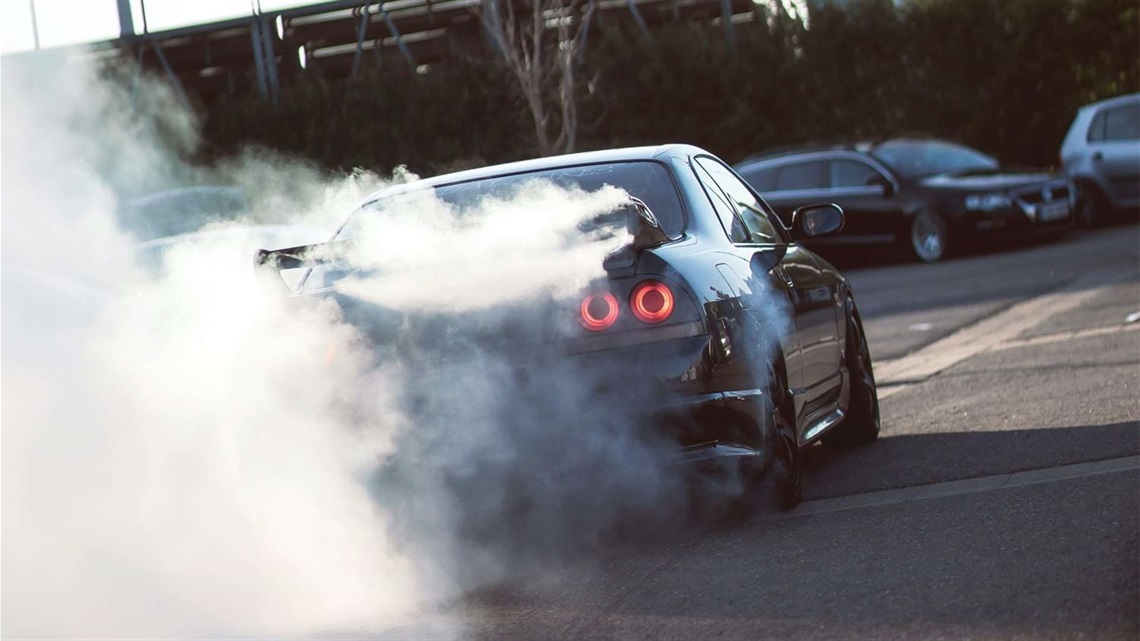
<point x="990" y="333"/>
<point x="957" y="488"/>
<point x="1132" y="318"/>
<point x="921" y="327"/>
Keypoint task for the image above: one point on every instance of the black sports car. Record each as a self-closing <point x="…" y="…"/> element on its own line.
<point x="930" y="196"/>
<point x="752" y="344"/>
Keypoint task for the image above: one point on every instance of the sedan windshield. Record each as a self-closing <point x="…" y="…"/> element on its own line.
<point x="649" y="181"/>
<point x="919" y="159"/>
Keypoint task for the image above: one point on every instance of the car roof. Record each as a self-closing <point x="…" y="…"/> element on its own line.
<point x="807" y="148"/>
<point x="1111" y="102"/>
<point x="855" y="146"/>
<point x="625" y="154"/>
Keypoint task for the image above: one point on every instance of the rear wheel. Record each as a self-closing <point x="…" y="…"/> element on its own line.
<point x="929" y="237"/>
<point x="786" y="472"/>
<point x="862" y="423"/>
<point x="789" y="475"/>
<point x="775" y="479"/>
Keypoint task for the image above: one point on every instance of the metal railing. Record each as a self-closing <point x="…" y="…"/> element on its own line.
<point x="342" y="37"/>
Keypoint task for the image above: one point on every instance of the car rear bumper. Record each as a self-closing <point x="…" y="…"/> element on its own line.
<point x="702" y="413"/>
<point x="712" y="429"/>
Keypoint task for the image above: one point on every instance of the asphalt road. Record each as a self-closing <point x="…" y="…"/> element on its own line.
<point x="1002" y="500"/>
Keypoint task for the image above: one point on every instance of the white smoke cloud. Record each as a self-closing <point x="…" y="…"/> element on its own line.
<point x="522" y="245"/>
<point x="186" y="455"/>
<point x="178" y="459"/>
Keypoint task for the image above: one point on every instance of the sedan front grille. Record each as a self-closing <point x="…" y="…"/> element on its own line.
<point x="1052" y="191"/>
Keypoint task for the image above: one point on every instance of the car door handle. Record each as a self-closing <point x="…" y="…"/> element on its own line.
<point x="1097" y="157"/>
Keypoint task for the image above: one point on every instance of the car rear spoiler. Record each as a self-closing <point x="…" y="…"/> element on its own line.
<point x="269" y="263"/>
<point x="642" y="226"/>
<point x="644" y="230"/>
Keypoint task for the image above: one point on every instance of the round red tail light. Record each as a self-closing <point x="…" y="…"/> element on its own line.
<point x="652" y="301"/>
<point x="599" y="311"/>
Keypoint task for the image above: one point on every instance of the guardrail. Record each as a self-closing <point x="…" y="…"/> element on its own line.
<point x="340" y="38"/>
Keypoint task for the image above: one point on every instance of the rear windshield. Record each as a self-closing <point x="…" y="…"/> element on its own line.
<point x="647" y="180"/>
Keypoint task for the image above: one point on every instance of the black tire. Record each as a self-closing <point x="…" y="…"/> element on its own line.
<point x="775" y="480"/>
<point x="929" y="237"/>
<point x="1092" y="206"/>
<point x="790" y="491"/>
<point x="862" y="423"/>
<point x="787" y="471"/>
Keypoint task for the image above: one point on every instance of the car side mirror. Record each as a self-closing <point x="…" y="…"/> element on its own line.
<point x="820" y="219"/>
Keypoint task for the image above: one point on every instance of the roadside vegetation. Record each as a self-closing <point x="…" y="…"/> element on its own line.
<point x="1005" y="76"/>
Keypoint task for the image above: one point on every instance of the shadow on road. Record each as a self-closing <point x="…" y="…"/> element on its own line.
<point x="853" y="257"/>
<point x="1052" y="560"/>
<point x="917" y="459"/>
<point x="885" y="289"/>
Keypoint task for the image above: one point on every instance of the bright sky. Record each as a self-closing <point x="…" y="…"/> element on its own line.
<point x="65" y="22"/>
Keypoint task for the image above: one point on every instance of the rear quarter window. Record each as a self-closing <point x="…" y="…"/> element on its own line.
<point x="1122" y="123"/>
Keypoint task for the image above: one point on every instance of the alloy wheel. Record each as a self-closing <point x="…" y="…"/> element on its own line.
<point x="928" y="237"/>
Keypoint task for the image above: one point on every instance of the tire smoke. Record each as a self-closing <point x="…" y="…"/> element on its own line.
<point x="188" y="455"/>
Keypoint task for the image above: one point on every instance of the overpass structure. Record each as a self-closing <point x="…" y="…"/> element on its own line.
<point x="339" y="38"/>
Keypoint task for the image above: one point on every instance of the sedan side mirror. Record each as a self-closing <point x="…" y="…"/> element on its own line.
<point x="820" y="219"/>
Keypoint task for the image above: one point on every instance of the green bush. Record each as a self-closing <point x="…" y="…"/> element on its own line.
<point x="1005" y="76"/>
<point x="466" y="110"/>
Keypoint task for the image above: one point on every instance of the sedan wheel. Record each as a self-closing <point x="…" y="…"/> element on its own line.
<point x="862" y="423"/>
<point x="791" y="486"/>
<point x="776" y="480"/>
<point x="929" y="237"/>
<point x="787" y="472"/>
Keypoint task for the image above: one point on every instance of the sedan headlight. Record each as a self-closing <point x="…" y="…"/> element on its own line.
<point x="988" y="202"/>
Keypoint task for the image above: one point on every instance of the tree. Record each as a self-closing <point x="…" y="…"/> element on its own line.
<point x="540" y="41"/>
